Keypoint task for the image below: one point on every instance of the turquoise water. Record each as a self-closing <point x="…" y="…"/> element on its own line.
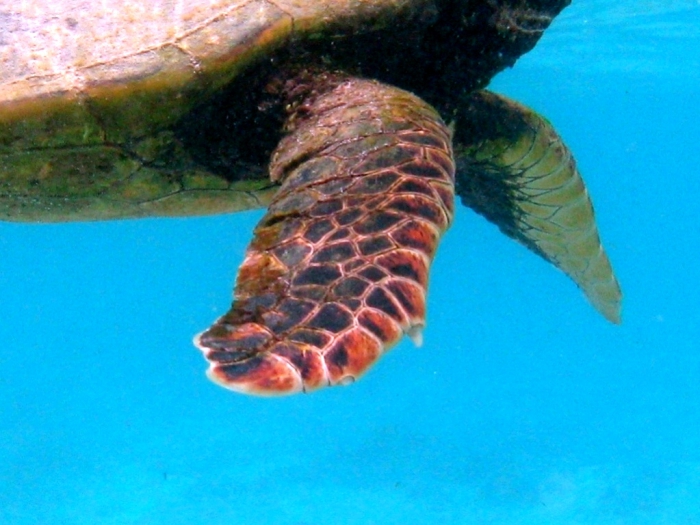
<point x="522" y="407"/>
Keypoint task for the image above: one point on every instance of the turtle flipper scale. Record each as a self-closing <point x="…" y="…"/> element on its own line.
<point x="338" y="269"/>
<point x="514" y="169"/>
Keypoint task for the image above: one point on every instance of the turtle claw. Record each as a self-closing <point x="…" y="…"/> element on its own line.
<point x="415" y="333"/>
<point x="265" y="375"/>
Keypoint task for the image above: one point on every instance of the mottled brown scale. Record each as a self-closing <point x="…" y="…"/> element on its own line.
<point x="419" y="207"/>
<point x="313" y="293"/>
<point x="287" y="314"/>
<point x="350" y="287"/>
<point x="405" y="263"/>
<point x="293" y="253"/>
<point x="374" y="183"/>
<point x="351" y="304"/>
<point x="331" y="317"/>
<point x="318" y="274"/>
<point x="376" y="244"/>
<point x="377" y="222"/>
<point x="381" y="299"/>
<point x="338" y="252"/>
<point x="310" y="337"/>
<point x="415" y="234"/>
<point x="372" y="273"/>
<point x="353" y="264"/>
<point x="415" y="185"/>
<point x="342" y="255"/>
<point x="350" y="355"/>
<point x="410" y="297"/>
<point x="315" y="230"/>
<point x="347" y="217"/>
<point x="325" y="208"/>
<point x="380" y="324"/>
<point x="339" y="234"/>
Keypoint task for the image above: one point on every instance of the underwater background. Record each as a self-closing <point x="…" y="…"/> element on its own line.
<point x="523" y="406"/>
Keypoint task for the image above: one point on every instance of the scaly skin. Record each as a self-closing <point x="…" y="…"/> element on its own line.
<point x="514" y="169"/>
<point x="338" y="269"/>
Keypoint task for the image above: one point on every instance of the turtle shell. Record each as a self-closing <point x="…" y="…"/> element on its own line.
<point x="126" y="109"/>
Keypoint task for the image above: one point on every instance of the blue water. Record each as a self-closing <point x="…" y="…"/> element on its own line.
<point x="522" y="407"/>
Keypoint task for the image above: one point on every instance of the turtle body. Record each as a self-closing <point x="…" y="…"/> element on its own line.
<point x="354" y="122"/>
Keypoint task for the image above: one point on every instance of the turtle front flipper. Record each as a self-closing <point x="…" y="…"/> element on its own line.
<point x="338" y="269"/>
<point x="514" y="169"/>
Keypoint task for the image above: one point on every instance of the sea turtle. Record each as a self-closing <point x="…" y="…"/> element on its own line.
<point x="132" y="109"/>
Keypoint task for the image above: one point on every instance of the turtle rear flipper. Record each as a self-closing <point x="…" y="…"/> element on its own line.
<point x="514" y="169"/>
<point x="338" y="269"/>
